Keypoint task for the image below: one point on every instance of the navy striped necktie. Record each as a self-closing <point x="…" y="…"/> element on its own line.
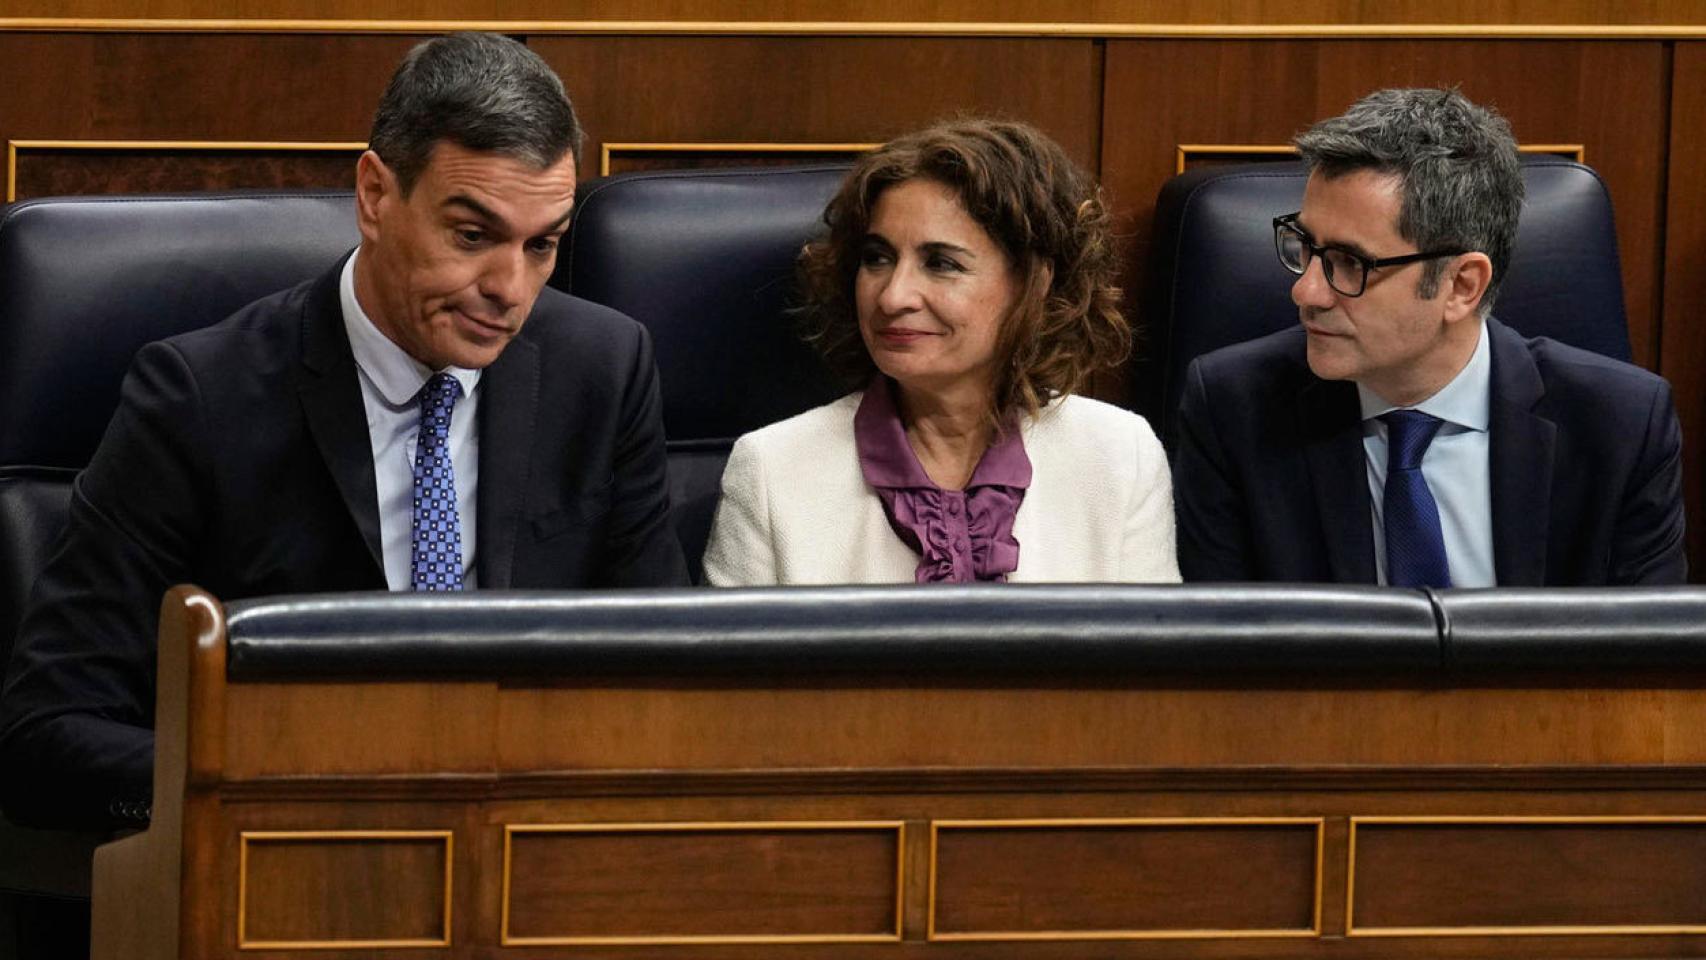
<point x="1415" y="547"/>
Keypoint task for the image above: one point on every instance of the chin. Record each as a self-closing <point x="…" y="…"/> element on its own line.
<point x="1326" y="364"/>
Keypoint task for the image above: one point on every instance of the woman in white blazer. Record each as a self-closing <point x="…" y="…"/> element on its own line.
<point x="967" y="283"/>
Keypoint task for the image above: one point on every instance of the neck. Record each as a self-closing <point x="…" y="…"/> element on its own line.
<point x="1435" y="371"/>
<point x="948" y="432"/>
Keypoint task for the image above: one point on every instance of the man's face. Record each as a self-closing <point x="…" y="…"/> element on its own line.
<point x="1389" y="339"/>
<point x="450" y="272"/>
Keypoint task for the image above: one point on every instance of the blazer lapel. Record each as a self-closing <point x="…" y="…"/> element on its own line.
<point x="331" y="399"/>
<point x="1520" y="447"/>
<point x="1330" y="423"/>
<point x="509" y="404"/>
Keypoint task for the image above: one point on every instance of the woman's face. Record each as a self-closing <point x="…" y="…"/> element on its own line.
<point x="932" y="291"/>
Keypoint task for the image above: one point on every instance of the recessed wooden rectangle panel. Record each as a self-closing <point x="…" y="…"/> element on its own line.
<point x="1542" y="876"/>
<point x="633" y="157"/>
<point x="702" y="883"/>
<point x="344" y="889"/>
<point x="1125" y="879"/>
<point x="68" y="168"/>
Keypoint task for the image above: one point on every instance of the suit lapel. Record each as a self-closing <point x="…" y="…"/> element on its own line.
<point x="1520" y="448"/>
<point x="509" y="403"/>
<point x="331" y="400"/>
<point x="1330" y="423"/>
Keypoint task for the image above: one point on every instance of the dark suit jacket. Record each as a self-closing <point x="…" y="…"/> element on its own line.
<point x="239" y="460"/>
<point x="1270" y="478"/>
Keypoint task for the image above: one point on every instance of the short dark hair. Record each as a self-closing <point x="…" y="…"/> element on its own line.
<point x="1461" y="174"/>
<point x="1044" y="213"/>
<point x="481" y="91"/>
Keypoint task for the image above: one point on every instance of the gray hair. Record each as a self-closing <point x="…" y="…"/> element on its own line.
<point x="481" y="91"/>
<point x="1462" y="180"/>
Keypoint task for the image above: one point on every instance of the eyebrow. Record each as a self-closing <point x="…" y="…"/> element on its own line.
<point x="490" y="216"/>
<point x="931" y="246"/>
<point x="1355" y="248"/>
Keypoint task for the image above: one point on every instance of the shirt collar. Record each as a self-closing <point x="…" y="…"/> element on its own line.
<point x="887" y="459"/>
<point x="397" y="376"/>
<point x="1465" y="400"/>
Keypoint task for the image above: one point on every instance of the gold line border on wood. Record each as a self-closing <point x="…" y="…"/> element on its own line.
<point x="1210" y="31"/>
<point x="1505" y="931"/>
<point x="1185" y="151"/>
<point x="207" y="146"/>
<point x="898" y="826"/>
<point x="936" y="826"/>
<point x="641" y="149"/>
<point x="286" y="836"/>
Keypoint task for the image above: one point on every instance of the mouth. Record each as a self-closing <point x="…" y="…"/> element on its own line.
<point x="901" y="335"/>
<point x="1314" y="329"/>
<point x="486" y="329"/>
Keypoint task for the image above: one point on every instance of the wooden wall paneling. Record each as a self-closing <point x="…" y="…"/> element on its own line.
<point x="1019" y="11"/>
<point x="1161" y="93"/>
<point x="821" y="90"/>
<point x="66" y="168"/>
<point x="196" y="87"/>
<point x="1683" y="359"/>
<point x="1120" y="879"/>
<point x="1456" y="876"/>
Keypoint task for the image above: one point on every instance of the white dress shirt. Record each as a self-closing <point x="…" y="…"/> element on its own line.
<point x="391" y="382"/>
<point x="1455" y="467"/>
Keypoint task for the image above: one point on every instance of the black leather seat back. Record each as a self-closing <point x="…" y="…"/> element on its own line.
<point x="705" y="259"/>
<point x="33" y="501"/>
<point x="86" y="281"/>
<point x="1215" y="280"/>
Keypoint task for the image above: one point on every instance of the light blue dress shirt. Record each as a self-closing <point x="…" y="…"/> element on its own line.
<point x="1455" y="468"/>
<point x="390" y="380"/>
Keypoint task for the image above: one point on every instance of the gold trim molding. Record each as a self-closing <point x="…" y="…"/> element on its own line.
<point x="898" y="826"/>
<point x="1303" y="31"/>
<point x="1314" y="930"/>
<point x="205" y="146"/>
<point x="247" y="837"/>
<point x="1535" y="930"/>
<point x="1184" y="152"/>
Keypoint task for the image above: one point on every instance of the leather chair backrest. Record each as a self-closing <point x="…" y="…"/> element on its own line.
<point x="1214" y="278"/>
<point x="705" y="259"/>
<point x="86" y="281"/>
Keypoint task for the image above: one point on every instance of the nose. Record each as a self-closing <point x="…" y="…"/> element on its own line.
<point x="900" y="291"/>
<point x="1311" y="289"/>
<point x="507" y="277"/>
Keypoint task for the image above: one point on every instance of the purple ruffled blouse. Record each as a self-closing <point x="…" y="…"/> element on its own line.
<point x="960" y="535"/>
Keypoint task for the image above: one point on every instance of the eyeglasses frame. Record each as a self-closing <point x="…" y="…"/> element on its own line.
<point x="1289" y="222"/>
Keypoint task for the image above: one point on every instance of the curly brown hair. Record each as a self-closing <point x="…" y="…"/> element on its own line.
<point x="1045" y="213"/>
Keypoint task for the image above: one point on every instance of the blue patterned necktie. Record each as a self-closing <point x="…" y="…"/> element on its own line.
<point x="435" y="543"/>
<point x="1415" y="548"/>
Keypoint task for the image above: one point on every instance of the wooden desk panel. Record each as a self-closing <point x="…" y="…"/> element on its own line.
<point x="1357" y="820"/>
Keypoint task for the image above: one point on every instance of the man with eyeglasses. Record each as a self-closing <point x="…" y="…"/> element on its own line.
<point x="1400" y="434"/>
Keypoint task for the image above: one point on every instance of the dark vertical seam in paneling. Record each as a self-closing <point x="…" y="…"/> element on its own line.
<point x="1100" y="92"/>
<point x="1668" y="93"/>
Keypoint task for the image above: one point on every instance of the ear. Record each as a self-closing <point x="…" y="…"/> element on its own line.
<point x="1465" y="283"/>
<point x="375" y="186"/>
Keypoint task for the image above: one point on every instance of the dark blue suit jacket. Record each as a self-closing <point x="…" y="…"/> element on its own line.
<point x="239" y="460"/>
<point x="1270" y="480"/>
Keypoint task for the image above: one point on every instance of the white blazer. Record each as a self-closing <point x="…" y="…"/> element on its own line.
<point x="795" y="508"/>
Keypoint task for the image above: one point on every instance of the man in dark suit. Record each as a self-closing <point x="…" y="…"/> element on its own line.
<point x="1400" y="434"/>
<point x="426" y="415"/>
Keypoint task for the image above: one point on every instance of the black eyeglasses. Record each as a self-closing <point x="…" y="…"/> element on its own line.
<point x="1346" y="272"/>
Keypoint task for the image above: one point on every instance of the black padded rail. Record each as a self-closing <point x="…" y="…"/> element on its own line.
<point x="935" y="634"/>
<point x="1606" y="628"/>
